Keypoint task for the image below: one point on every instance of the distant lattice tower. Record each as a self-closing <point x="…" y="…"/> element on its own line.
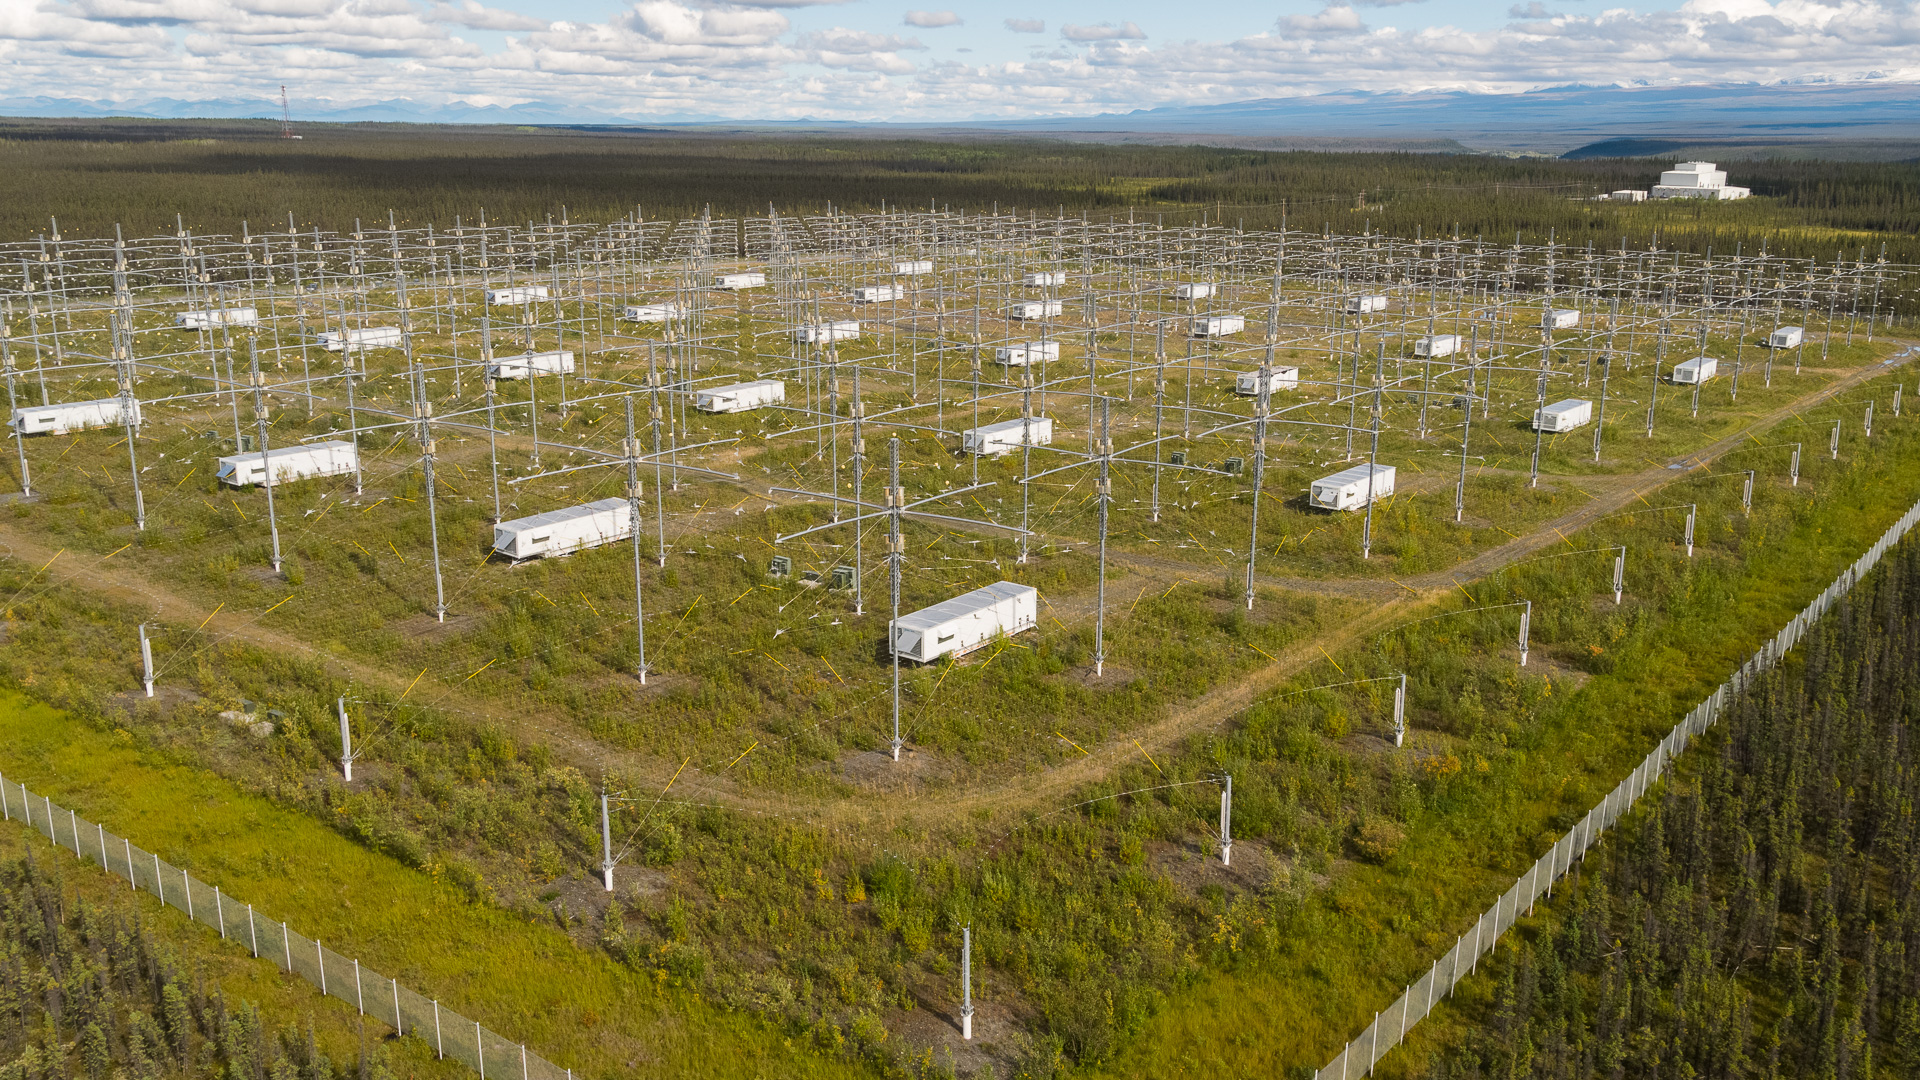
<point x="286" y="116"/>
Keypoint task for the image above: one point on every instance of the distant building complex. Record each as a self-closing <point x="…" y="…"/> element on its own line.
<point x="1687" y="180"/>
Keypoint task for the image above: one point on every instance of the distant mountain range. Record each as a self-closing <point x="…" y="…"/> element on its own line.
<point x="1552" y="120"/>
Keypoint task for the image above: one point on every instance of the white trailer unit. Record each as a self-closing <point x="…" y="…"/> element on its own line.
<point x="1560" y="318"/>
<point x="1007" y="435"/>
<point x="1218" y="325"/>
<point x="527" y="365"/>
<point x="517" y="294"/>
<point x="1787" y="337"/>
<point x="335" y="457"/>
<point x="1437" y="346"/>
<point x="1563" y="415"/>
<point x="653" y="312"/>
<point x="360" y="339"/>
<point x="913" y="267"/>
<point x="62" y="417"/>
<point x="208" y="318"/>
<point x="1035" y="309"/>
<point x="749" y="280"/>
<point x="1045" y="278"/>
<point x="1247" y="383"/>
<point x="740" y="397"/>
<point x="822" y="333"/>
<point x="966" y="622"/>
<point x="1365" y="305"/>
<point x="878" y="294"/>
<point x="1697" y="370"/>
<point x="1027" y="352"/>
<point x="1196" y="290"/>
<point x="563" y="532"/>
<point x="1351" y="489"/>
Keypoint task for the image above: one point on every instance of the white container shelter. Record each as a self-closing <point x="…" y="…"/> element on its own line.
<point x="1035" y="309"/>
<point x="1787" y="337"/>
<point x="740" y="397"/>
<point x="1627" y="195"/>
<point x="517" y="294"/>
<point x="1218" y="325"/>
<point x="646" y="313"/>
<point x="1437" y="346"/>
<point x="1351" y="489"/>
<point x="821" y="333"/>
<point x="1193" y="290"/>
<point x="1007" y="435"/>
<point x="1044" y="278"/>
<point x="361" y="339"/>
<point x="1697" y="370"/>
<point x="1560" y="319"/>
<point x="527" y="365"/>
<point x="1027" y="352"/>
<point x="563" y="532"/>
<point x="208" y="318"/>
<point x="1365" y="305"/>
<point x="1247" y="383"/>
<point x="752" y="279"/>
<point x="64" y="416"/>
<point x="336" y="457"/>
<point x="958" y="626"/>
<point x="913" y="267"/>
<point x="878" y="294"/>
<point x="1563" y="415"/>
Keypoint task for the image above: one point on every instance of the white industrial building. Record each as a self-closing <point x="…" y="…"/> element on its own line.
<point x="360" y="339"/>
<point x="62" y="417"/>
<point x="748" y="280"/>
<point x="335" y="457"/>
<point x="1787" y="337"/>
<point x="1626" y="195"/>
<point x="1218" y="325"/>
<point x="1027" y="352"/>
<point x="1007" y="435"/>
<point x="517" y="294"/>
<point x="913" y="267"/>
<point x="1364" y="305"/>
<point x="1437" y="346"/>
<point x="1045" y="278"/>
<point x="563" y="532"/>
<point x="878" y="294"/>
<point x="1697" y="370"/>
<point x="966" y="622"/>
<point x="1196" y="290"/>
<point x="822" y="333"/>
<point x="1352" y="489"/>
<point x="208" y="318"/>
<point x="740" y="397"/>
<point x="648" y="313"/>
<point x="1563" y="415"/>
<point x="1247" y="383"/>
<point x="1035" y="309"/>
<point x="527" y="365"/>
<point x="1697" y="180"/>
<point x="1560" y="318"/>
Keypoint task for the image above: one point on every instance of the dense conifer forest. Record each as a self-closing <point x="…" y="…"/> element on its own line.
<point x="88" y="992"/>
<point x="1762" y="920"/>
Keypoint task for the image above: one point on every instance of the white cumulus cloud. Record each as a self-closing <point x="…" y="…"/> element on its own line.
<point x="1103" y="32"/>
<point x="930" y="19"/>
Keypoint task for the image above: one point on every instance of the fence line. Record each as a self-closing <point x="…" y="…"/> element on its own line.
<point x="450" y="1034"/>
<point x="1359" y="1057"/>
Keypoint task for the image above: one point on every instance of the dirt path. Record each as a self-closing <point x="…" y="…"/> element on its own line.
<point x="925" y="807"/>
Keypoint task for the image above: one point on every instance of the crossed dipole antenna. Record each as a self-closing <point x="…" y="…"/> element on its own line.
<point x="895" y="508"/>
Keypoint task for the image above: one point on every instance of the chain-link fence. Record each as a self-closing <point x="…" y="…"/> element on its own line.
<point x="1390" y="1027"/>
<point x="373" y="994"/>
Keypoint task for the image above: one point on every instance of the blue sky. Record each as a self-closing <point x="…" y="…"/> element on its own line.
<point x="875" y="60"/>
